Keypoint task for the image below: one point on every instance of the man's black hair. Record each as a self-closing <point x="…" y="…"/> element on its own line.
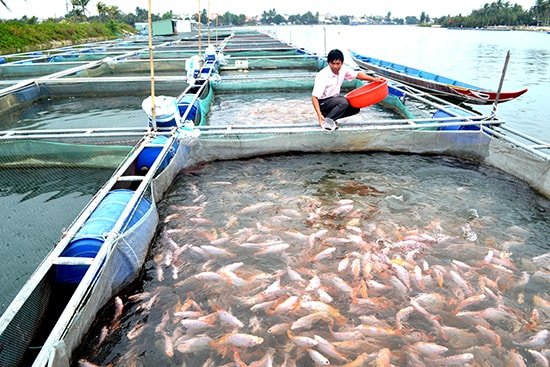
<point x="335" y="55"/>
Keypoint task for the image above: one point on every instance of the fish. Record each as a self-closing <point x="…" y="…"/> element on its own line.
<point x="328" y="349"/>
<point x="429" y="349"/>
<point x="193" y="344"/>
<point x="279" y="329"/>
<point x="361" y="360"/>
<point x="325" y="254"/>
<point x="318" y="306"/>
<point x="460" y="282"/>
<point x="284" y="306"/>
<point x="278" y="248"/>
<point x="536" y="341"/>
<point x="237" y="340"/>
<point x="195" y="325"/>
<point x="489" y="335"/>
<point x="402" y="316"/>
<point x="307" y="321"/>
<point x="165" y="318"/>
<point x="136" y="331"/>
<point x="470" y="301"/>
<point x="273" y="289"/>
<point x="383" y="358"/>
<point x="265" y="361"/>
<point x="371" y="331"/>
<point x="340" y="284"/>
<point x="301" y="341"/>
<point x="209" y="276"/>
<point x="540" y="358"/>
<point x="215" y="251"/>
<point x="542" y="304"/>
<point x="256" y="207"/>
<point x="234" y="279"/>
<point x="342" y="209"/>
<point x="402" y="274"/>
<point x="324" y="296"/>
<point x="86" y="363"/>
<point x="317" y="357"/>
<point x="346" y="335"/>
<point x="168" y="345"/>
<point x="454" y="360"/>
<point x="263" y="305"/>
<point x="227" y="318"/>
<point x="237" y="358"/>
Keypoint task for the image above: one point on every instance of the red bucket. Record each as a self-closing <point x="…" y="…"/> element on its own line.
<point x="368" y="94"/>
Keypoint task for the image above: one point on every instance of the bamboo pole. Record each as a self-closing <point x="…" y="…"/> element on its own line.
<point x="199" y="28"/>
<point x="495" y="103"/>
<point x="152" y="67"/>
<point x="208" y="20"/>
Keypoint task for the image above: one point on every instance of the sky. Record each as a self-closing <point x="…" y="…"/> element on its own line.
<point x="399" y="8"/>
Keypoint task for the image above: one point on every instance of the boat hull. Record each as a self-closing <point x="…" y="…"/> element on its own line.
<point x="438" y="85"/>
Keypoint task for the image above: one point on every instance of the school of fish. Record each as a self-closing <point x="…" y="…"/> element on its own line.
<point x="248" y="289"/>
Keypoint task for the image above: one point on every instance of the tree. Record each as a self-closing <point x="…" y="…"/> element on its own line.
<point x="423" y="17"/>
<point x="411" y="20"/>
<point x="309" y="18"/>
<point x="81" y="5"/>
<point x="268" y="17"/>
<point x="541" y="12"/>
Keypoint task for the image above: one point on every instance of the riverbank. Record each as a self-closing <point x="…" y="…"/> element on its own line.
<point x="17" y="37"/>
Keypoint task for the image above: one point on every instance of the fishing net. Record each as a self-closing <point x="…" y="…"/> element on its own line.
<point x="37" y="153"/>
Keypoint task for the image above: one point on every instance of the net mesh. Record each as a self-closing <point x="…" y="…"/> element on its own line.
<point x="38" y="153"/>
<point x="23" y="327"/>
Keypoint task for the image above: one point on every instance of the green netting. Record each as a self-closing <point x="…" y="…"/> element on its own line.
<point x="16" y="336"/>
<point x="257" y="52"/>
<point x="281" y="63"/>
<point x="205" y="104"/>
<point x="32" y="153"/>
<point x="136" y="67"/>
<point x="263" y="85"/>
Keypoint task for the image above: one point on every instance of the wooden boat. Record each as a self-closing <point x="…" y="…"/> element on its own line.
<point x="441" y="86"/>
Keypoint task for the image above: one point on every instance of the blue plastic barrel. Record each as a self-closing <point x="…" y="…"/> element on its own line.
<point x="149" y="154"/>
<point x="89" y="239"/>
<point x="458" y="111"/>
<point x="194" y="109"/>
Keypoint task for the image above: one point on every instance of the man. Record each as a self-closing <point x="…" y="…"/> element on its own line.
<point x="327" y="101"/>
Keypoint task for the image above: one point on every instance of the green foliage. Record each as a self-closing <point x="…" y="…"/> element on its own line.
<point x="501" y="13"/>
<point x="16" y="36"/>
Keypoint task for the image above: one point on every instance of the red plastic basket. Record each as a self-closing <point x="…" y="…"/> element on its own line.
<point x="368" y="94"/>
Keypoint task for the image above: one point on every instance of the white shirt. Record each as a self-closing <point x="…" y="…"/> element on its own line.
<point x="327" y="84"/>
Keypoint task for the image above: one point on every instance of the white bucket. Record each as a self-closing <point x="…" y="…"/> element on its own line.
<point x="166" y="111"/>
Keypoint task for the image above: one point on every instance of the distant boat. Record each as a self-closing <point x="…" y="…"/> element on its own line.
<point x="441" y="86"/>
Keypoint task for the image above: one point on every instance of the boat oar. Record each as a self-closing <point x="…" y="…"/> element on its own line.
<point x="501" y="83"/>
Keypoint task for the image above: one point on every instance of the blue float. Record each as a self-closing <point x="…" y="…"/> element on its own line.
<point x="458" y="111"/>
<point x="149" y="154"/>
<point x="186" y="103"/>
<point x="89" y="239"/>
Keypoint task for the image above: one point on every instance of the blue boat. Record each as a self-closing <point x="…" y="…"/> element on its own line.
<point x="438" y="85"/>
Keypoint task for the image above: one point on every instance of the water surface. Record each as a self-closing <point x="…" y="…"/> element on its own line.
<point x="269" y="218"/>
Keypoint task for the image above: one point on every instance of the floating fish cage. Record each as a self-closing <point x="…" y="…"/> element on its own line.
<point x="104" y="249"/>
